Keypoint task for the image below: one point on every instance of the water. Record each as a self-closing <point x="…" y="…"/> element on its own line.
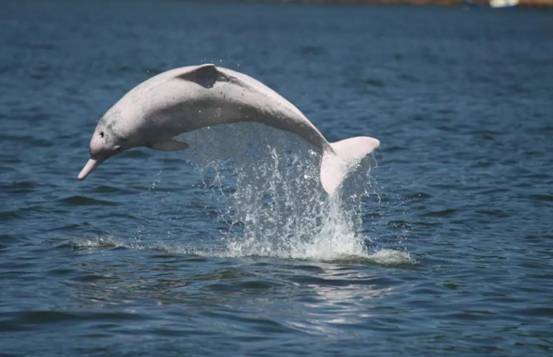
<point x="442" y="244"/>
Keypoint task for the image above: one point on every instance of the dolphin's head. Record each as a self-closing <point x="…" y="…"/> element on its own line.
<point x="105" y="142"/>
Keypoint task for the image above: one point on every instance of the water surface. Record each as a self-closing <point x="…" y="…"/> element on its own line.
<point x="443" y="244"/>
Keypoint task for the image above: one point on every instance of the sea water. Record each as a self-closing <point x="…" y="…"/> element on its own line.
<point x="440" y="243"/>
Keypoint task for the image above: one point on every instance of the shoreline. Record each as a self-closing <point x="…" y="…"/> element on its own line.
<point x="490" y="3"/>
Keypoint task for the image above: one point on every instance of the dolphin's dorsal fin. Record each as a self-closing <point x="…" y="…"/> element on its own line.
<point x="205" y="75"/>
<point x="168" y="145"/>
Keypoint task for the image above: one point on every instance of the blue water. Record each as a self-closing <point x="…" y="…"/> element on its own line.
<point x="443" y="242"/>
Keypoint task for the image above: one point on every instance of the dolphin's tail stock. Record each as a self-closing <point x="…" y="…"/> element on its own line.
<point x="341" y="157"/>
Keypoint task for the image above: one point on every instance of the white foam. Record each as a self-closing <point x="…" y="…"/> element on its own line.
<point x="100" y="242"/>
<point x="391" y="257"/>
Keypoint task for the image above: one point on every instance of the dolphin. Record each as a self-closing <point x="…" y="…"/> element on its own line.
<point x="180" y="100"/>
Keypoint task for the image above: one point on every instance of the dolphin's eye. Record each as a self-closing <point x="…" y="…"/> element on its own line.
<point x="102" y="134"/>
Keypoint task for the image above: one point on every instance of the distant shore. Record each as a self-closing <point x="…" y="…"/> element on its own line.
<point x="494" y="3"/>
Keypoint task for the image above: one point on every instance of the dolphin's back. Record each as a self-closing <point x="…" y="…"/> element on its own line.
<point x="229" y="96"/>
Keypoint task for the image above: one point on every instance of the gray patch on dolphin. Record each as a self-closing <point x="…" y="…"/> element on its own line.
<point x="157" y="110"/>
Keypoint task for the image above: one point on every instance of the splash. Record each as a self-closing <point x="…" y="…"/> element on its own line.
<point x="271" y="201"/>
<point x="285" y="214"/>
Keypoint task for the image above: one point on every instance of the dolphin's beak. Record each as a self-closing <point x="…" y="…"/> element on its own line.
<point x="87" y="169"/>
<point x="97" y="159"/>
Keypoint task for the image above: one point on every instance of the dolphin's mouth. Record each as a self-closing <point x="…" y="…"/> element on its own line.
<point x="87" y="169"/>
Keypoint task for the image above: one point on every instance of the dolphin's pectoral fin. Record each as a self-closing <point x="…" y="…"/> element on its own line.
<point x="205" y="75"/>
<point x="168" y="145"/>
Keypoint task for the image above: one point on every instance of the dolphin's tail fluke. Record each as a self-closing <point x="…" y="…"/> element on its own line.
<point x="341" y="158"/>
